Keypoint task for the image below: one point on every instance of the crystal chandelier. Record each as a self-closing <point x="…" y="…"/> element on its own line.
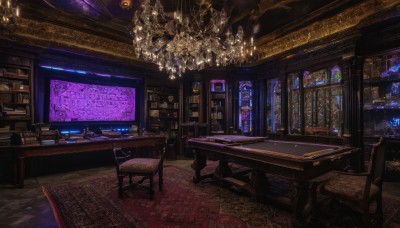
<point x="178" y="42"/>
<point x="9" y="13"/>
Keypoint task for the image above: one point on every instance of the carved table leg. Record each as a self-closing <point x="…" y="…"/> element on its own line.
<point x="299" y="201"/>
<point x="198" y="164"/>
<point x="223" y="169"/>
<point x="259" y="183"/>
<point x="20" y="172"/>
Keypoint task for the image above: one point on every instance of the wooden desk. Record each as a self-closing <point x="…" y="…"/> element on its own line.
<point x="37" y="150"/>
<point x="300" y="162"/>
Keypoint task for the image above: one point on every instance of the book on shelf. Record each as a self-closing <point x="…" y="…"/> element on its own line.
<point x="28" y="137"/>
<point x="194" y="99"/>
<point x="5" y="129"/>
<point x="20" y="126"/>
<point x="5" y="138"/>
<point x="22" y="98"/>
<point x="16" y="111"/>
<point x="154" y="113"/>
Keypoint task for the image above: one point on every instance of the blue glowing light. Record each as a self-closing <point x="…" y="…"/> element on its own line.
<point x="62" y="69"/>
<point x="395" y="122"/>
<point x="70" y="132"/>
<point x="393" y="69"/>
<point x="80" y="71"/>
<point x="84" y="72"/>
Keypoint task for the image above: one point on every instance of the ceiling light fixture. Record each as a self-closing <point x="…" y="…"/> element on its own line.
<point x="9" y="12"/>
<point x="187" y="40"/>
<point x="125" y="4"/>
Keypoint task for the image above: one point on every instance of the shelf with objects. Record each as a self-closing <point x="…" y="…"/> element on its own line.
<point x="217" y="107"/>
<point x="193" y="102"/>
<point x="382" y="95"/>
<point x="15" y="106"/>
<point x="15" y="92"/>
<point x="163" y="113"/>
<point x="381" y="107"/>
<point x="193" y="124"/>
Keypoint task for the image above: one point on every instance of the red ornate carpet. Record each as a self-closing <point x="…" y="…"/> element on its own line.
<point x="95" y="203"/>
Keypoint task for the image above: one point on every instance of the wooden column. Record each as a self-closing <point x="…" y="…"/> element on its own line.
<point x="259" y="123"/>
<point x="348" y="109"/>
<point x="352" y="100"/>
<point x="284" y="107"/>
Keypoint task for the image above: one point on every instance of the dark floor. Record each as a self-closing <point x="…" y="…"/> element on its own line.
<point x="28" y="207"/>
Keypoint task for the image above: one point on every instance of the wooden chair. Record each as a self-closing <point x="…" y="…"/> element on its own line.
<point x="128" y="166"/>
<point x="360" y="189"/>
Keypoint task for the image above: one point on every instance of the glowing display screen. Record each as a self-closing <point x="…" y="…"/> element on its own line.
<point x="71" y="101"/>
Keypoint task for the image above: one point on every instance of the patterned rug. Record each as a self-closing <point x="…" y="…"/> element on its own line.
<point x="95" y="203"/>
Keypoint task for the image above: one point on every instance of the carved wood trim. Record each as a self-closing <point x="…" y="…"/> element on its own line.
<point x="344" y="21"/>
<point x="46" y="35"/>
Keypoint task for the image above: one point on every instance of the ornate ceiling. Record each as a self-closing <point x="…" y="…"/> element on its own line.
<point x="260" y="17"/>
<point x="101" y="26"/>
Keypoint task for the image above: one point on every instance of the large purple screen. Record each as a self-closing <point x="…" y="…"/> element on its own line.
<point x="71" y="101"/>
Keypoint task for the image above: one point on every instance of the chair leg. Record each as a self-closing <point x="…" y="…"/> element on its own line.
<point x="366" y="217"/>
<point x="151" y="187"/>
<point x="160" y="179"/>
<point x="120" y="183"/>
<point x="379" y="210"/>
<point x="313" y="194"/>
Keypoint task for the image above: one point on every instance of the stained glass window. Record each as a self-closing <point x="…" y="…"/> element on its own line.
<point x="323" y="98"/>
<point x="336" y="74"/>
<point x="322" y="105"/>
<point x="273" y="105"/>
<point x="294" y="114"/>
<point x="245" y="106"/>
<point x="315" y="78"/>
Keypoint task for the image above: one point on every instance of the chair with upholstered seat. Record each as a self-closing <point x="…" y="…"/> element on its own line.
<point x="360" y="189"/>
<point x="146" y="168"/>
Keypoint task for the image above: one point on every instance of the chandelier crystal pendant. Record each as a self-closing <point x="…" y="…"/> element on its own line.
<point x="9" y="13"/>
<point x="178" y="42"/>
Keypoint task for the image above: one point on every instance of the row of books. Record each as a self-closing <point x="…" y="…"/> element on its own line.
<point x="14" y="111"/>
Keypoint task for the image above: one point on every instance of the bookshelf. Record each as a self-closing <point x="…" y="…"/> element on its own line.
<point x="217" y="107"/>
<point x="15" y="92"/>
<point x="163" y="111"/>
<point x="194" y="107"/>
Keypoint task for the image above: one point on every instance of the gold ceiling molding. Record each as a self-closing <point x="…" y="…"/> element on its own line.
<point x="341" y="22"/>
<point x="49" y="35"/>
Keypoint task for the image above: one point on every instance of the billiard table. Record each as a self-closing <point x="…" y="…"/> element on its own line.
<point x="298" y="161"/>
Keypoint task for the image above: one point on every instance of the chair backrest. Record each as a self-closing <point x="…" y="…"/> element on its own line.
<point x="121" y="156"/>
<point x="376" y="166"/>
